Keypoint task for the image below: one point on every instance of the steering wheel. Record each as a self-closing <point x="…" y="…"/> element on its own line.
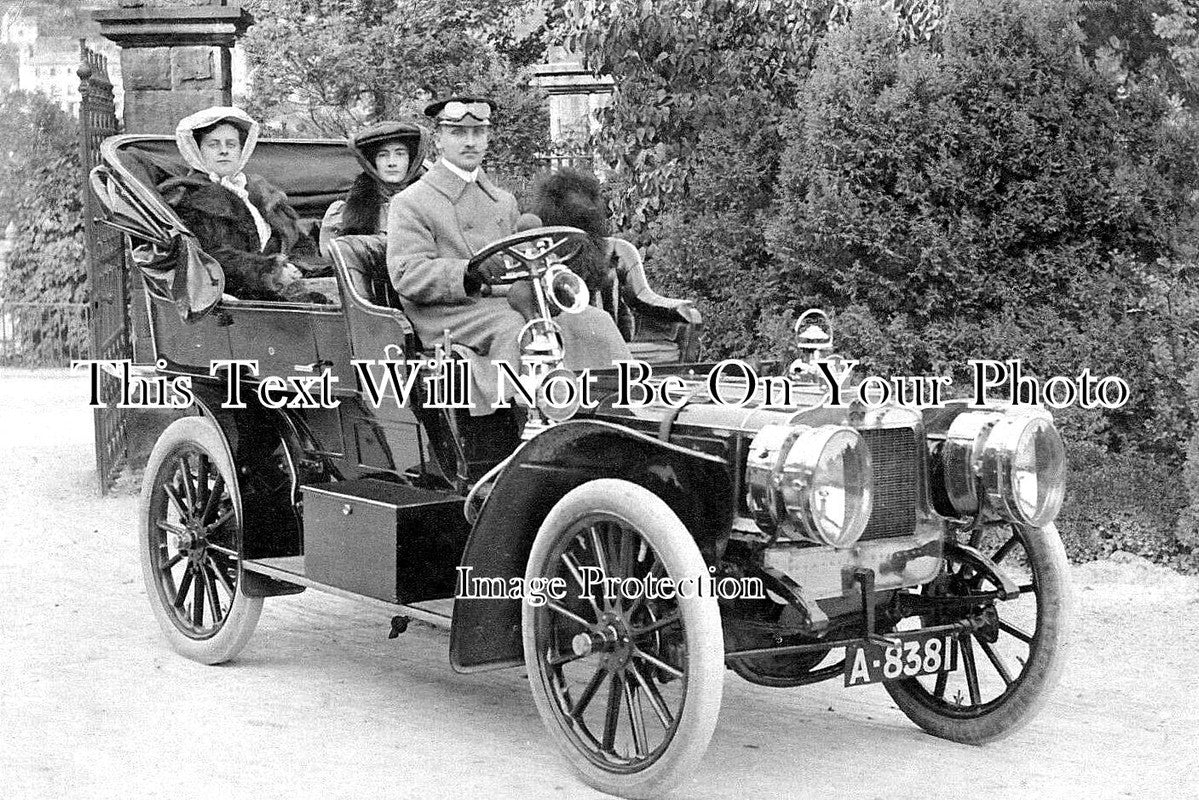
<point x="556" y="240"/>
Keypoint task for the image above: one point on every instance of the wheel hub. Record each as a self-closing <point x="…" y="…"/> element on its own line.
<point x="986" y="625"/>
<point x="609" y="636"/>
<point x="192" y="543"/>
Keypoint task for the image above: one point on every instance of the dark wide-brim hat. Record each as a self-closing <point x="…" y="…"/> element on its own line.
<point x="456" y="110"/>
<point x="365" y="144"/>
<point x="374" y="136"/>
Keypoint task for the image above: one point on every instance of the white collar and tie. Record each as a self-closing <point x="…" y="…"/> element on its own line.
<point x="469" y="177"/>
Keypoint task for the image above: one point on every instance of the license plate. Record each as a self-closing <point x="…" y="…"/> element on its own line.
<point x="916" y="654"/>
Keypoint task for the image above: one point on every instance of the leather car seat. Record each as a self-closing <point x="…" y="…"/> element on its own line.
<point x="659" y="329"/>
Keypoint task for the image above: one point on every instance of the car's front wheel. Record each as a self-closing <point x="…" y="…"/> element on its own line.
<point x="629" y="686"/>
<point x="1008" y="665"/>
<point x="191" y="518"/>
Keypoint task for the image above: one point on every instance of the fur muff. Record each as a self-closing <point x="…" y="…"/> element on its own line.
<point x="226" y="231"/>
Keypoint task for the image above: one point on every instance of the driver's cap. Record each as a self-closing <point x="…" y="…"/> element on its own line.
<point x="462" y="111"/>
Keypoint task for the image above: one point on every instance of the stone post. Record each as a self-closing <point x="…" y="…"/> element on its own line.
<point x="575" y="94"/>
<point x="175" y="59"/>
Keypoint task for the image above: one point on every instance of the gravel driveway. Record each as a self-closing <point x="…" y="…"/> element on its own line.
<point x="320" y="704"/>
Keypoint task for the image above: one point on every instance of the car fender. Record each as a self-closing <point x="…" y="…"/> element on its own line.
<point x="267" y="449"/>
<point x="697" y="487"/>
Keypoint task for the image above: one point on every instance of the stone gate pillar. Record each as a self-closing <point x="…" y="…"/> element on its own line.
<point x="175" y="57"/>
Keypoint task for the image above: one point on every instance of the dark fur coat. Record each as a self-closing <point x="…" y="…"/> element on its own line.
<point x="226" y="231"/>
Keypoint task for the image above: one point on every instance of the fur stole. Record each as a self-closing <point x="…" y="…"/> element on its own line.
<point x="363" y="202"/>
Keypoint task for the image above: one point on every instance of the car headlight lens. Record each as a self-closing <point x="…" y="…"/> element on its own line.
<point x="1030" y="464"/>
<point x="811" y="483"/>
<point x="1016" y="456"/>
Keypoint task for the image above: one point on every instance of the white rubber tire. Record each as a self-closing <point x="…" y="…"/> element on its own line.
<point x="201" y="434"/>
<point x="641" y="510"/>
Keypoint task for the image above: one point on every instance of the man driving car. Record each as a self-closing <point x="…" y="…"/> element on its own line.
<point x="434" y="228"/>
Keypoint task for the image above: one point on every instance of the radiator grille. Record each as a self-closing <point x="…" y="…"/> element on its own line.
<point x="893" y="453"/>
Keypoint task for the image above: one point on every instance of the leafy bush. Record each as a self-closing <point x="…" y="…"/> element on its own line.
<point x="691" y="138"/>
<point x="684" y="69"/>
<point x="1188" y="521"/>
<point x="39" y="195"/>
<point x="710" y="246"/>
<point x="1134" y="41"/>
<point x="1123" y="501"/>
<point x="997" y="199"/>
<point x="954" y="181"/>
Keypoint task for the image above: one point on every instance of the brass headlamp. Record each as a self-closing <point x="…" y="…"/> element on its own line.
<point x="812" y="483"/>
<point x="1010" y="462"/>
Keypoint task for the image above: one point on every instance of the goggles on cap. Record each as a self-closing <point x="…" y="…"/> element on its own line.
<point x="456" y="111"/>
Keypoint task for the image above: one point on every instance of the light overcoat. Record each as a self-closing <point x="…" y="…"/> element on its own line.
<point x="434" y="227"/>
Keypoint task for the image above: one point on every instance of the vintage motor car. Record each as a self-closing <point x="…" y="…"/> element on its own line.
<point x="804" y="541"/>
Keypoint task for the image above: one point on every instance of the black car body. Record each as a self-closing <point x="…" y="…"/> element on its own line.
<point x="909" y="546"/>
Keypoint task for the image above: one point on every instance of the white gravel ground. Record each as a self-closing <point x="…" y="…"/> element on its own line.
<point x="94" y="705"/>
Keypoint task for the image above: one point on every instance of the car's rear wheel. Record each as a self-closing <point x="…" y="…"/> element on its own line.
<point x="629" y="687"/>
<point x="191" y="516"/>
<point x="1007" y="668"/>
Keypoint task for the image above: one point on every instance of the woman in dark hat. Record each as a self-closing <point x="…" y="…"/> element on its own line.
<point x="241" y="220"/>
<point x="392" y="155"/>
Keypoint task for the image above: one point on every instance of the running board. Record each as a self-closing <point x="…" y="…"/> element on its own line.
<point x="291" y="570"/>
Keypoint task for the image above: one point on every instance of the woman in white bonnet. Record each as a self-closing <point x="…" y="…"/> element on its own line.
<point x="241" y="220"/>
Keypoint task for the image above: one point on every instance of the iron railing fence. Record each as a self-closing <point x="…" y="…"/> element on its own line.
<point x="44" y="334"/>
<point x="581" y="161"/>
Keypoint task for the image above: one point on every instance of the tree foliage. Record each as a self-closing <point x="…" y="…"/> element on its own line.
<point x="40" y="202"/>
<point x="684" y="68"/>
<point x="328" y="67"/>
<point x="1137" y="41"/>
<point x="693" y="134"/>
<point x="959" y="180"/>
<point x="1188" y="521"/>
<point x="40" y="196"/>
